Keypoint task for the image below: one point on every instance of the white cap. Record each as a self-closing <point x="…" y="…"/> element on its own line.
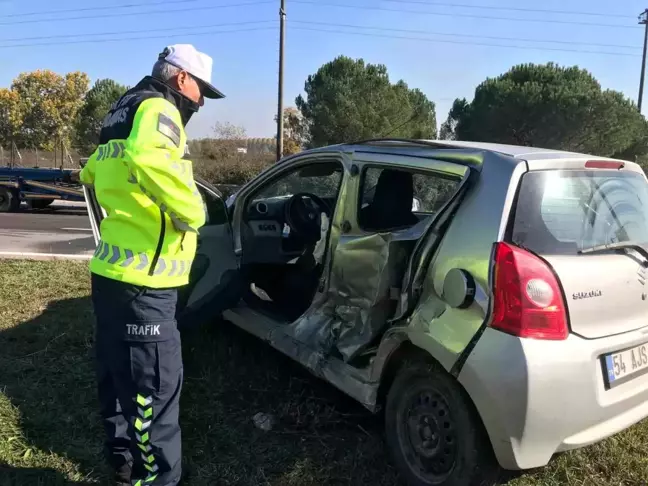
<point x="196" y="63"/>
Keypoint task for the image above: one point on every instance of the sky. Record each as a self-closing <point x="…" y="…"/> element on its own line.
<point x="443" y="47"/>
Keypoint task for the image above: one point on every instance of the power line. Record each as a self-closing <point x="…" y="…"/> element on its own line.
<point x="512" y="9"/>
<point x="447" y="14"/>
<point x="427" y="32"/>
<point x="138" y="31"/>
<point x="413" y="2"/>
<point x="121" y="39"/>
<point x="361" y="7"/>
<point x="91" y="9"/>
<point x="366" y="34"/>
<point x="147" y="12"/>
<point x="369" y="34"/>
<point x="327" y="24"/>
<point x="309" y="2"/>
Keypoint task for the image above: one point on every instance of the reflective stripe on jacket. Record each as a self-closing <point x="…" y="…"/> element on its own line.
<point x="147" y="189"/>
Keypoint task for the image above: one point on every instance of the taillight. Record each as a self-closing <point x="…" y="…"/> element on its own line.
<point x="604" y="164"/>
<point x="528" y="300"/>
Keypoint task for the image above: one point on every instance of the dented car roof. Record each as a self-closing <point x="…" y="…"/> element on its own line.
<point x="517" y="152"/>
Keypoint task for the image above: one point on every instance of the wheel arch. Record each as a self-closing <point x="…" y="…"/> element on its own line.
<point x="392" y="364"/>
<point x="401" y="349"/>
<point x="395" y="349"/>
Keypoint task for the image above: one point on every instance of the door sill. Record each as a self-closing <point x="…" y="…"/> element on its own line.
<point x="253" y="321"/>
<point x="353" y="381"/>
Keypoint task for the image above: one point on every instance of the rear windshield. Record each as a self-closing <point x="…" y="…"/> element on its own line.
<point x="561" y="212"/>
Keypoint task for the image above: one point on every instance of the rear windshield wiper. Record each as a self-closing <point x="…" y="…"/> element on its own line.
<point x="617" y="246"/>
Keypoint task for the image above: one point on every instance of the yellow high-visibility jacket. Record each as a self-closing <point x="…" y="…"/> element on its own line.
<point x="147" y="189"/>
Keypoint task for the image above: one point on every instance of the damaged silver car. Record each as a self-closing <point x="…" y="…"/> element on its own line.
<point x="485" y="298"/>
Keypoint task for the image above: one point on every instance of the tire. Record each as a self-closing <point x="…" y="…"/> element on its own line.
<point x="433" y="432"/>
<point x="9" y="200"/>
<point x="39" y="203"/>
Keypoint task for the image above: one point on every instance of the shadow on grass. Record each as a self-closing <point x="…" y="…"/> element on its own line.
<point x="47" y="373"/>
<point x="320" y="436"/>
<point x="11" y="476"/>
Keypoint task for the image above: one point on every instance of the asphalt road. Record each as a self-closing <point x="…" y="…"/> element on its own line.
<point x="62" y="230"/>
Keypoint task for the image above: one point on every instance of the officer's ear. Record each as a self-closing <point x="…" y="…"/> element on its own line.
<point x="182" y="79"/>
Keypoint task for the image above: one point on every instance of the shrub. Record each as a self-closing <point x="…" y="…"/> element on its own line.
<point x="235" y="169"/>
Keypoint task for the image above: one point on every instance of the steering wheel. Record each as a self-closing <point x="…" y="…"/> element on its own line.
<point x="303" y="215"/>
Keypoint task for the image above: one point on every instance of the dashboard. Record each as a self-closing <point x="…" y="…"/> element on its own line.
<point x="266" y="237"/>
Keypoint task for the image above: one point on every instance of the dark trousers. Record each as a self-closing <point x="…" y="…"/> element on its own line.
<point x="139" y="375"/>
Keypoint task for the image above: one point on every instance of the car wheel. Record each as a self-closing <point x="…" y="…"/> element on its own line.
<point x="433" y="432"/>
<point x="9" y="200"/>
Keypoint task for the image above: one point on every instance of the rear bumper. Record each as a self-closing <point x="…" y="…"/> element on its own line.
<point x="537" y="398"/>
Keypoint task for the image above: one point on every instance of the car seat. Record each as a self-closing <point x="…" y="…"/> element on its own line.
<point x="391" y="206"/>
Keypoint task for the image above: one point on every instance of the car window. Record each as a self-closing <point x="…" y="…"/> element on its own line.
<point x="322" y="179"/>
<point x="561" y="212"/>
<point x="431" y="190"/>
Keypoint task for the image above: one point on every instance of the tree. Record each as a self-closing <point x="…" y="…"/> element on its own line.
<point x="295" y="131"/>
<point x="219" y="159"/>
<point x="96" y="104"/>
<point x="349" y="100"/>
<point x="10" y="117"/>
<point x="449" y="127"/>
<point x="553" y="107"/>
<point x="422" y="122"/>
<point x="228" y="132"/>
<point x="227" y="139"/>
<point x="48" y="104"/>
<point x="447" y="130"/>
<point x="262" y="146"/>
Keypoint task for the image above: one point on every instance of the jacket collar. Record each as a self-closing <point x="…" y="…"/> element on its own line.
<point x="185" y="106"/>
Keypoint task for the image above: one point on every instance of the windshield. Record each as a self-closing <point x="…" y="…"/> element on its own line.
<point x="562" y="212"/>
<point x="321" y="179"/>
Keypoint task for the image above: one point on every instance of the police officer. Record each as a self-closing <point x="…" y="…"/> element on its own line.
<point x="148" y="243"/>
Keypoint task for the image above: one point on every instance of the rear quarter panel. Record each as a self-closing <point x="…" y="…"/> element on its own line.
<point x="434" y="326"/>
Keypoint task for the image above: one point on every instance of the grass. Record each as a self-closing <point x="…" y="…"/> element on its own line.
<point x="50" y="432"/>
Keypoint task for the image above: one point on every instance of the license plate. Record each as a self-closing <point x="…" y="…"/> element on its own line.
<point x="625" y="365"/>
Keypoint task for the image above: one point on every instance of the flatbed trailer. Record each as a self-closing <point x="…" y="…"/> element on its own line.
<point x="38" y="187"/>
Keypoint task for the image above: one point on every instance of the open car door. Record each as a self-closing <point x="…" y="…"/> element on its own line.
<point x="214" y="283"/>
<point x="95" y="212"/>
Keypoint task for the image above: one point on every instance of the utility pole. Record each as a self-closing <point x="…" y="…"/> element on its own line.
<point x="643" y="20"/>
<point x="280" y="117"/>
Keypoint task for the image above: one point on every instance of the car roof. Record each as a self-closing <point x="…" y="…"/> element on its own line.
<point x="516" y="151"/>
